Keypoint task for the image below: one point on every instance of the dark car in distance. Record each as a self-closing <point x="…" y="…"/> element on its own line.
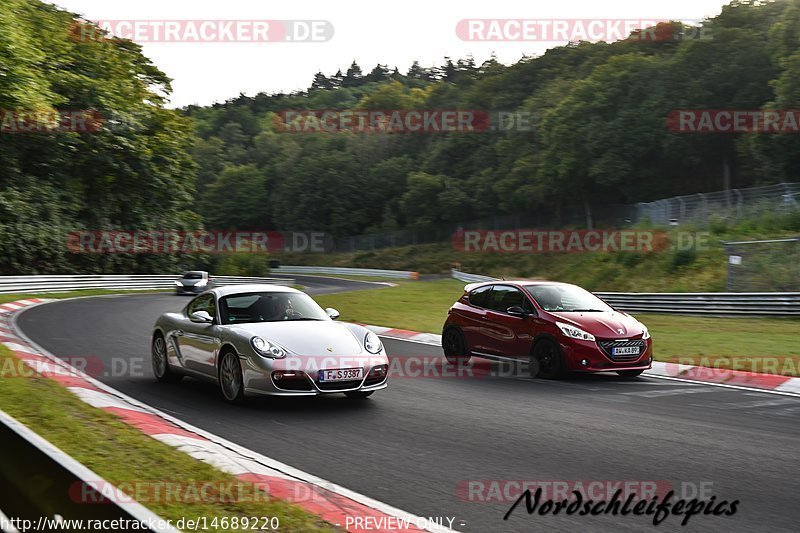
<point x="557" y="327"/>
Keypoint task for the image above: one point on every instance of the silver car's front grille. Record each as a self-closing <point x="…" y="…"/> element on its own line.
<point x="339" y="385"/>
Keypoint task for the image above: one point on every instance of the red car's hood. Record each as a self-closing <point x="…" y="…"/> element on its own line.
<point x="603" y="325"/>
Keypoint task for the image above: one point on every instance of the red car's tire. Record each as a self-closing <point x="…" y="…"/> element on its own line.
<point x="547" y="362"/>
<point x="454" y="346"/>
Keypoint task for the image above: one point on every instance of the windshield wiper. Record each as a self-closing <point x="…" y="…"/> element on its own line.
<point x="305" y="318"/>
<point x="585" y="311"/>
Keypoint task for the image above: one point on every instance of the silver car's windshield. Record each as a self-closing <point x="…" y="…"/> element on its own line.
<point x="566" y="298"/>
<point x="269" y="307"/>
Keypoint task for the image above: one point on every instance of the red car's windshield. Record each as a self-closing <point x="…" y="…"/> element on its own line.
<point x="566" y="298"/>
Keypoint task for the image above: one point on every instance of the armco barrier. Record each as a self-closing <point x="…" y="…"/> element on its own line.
<point x="780" y="304"/>
<point x="399" y="274"/>
<point x="785" y="304"/>
<point x="42" y="482"/>
<point x="34" y="284"/>
<point x="470" y="278"/>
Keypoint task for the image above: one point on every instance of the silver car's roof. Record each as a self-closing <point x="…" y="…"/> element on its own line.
<point x="253" y="287"/>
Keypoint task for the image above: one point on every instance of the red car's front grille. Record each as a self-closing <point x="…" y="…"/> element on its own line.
<point x="608" y="345"/>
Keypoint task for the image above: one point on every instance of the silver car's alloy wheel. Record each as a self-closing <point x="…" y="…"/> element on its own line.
<point x="159" y="357"/>
<point x="230" y="378"/>
<point x="161" y="368"/>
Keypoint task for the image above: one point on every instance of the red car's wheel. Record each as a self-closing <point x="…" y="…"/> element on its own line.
<point x="454" y="346"/>
<point x="546" y="360"/>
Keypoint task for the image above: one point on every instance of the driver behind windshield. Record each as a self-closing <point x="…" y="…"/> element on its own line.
<point x="549" y="298"/>
<point x="272" y="308"/>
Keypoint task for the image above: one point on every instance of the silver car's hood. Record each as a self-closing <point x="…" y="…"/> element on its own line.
<point x="305" y="337"/>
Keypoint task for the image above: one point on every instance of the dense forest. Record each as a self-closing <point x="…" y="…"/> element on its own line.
<point x="598" y="135"/>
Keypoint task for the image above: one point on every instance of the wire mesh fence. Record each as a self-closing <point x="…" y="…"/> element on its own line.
<point x="699" y="209"/>
<point x="764" y="265"/>
<point x="733" y="204"/>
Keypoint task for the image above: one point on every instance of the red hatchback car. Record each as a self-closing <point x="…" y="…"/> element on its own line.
<point x="558" y="327"/>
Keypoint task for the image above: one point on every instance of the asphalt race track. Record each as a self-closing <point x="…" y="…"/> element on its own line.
<point x="413" y="444"/>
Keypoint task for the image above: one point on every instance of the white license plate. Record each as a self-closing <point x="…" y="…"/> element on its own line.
<point x="625" y="350"/>
<point x="342" y="374"/>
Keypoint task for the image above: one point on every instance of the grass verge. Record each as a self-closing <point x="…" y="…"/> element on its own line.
<point x="767" y="345"/>
<point x="122" y="454"/>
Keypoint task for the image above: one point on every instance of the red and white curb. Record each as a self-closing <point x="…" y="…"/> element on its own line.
<point x="333" y="503"/>
<point x="735" y="379"/>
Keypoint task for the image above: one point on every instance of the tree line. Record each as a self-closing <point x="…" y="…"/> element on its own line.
<point x="597" y="134"/>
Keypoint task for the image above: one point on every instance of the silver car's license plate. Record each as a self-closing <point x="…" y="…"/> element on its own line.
<point x="625" y="350"/>
<point x="341" y="374"/>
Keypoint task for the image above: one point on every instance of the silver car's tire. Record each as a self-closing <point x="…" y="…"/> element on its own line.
<point x="231" y="382"/>
<point x="161" y="368"/>
<point x="358" y="395"/>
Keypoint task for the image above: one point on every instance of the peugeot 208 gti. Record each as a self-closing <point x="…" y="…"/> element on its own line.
<point x="557" y="327"/>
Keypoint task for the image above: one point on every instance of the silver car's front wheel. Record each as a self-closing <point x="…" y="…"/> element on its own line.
<point x="231" y="382"/>
<point x="161" y="368"/>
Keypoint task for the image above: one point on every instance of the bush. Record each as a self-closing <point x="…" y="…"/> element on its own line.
<point x="241" y="264"/>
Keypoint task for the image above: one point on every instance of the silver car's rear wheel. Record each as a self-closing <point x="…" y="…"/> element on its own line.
<point x="161" y="368"/>
<point x="231" y="382"/>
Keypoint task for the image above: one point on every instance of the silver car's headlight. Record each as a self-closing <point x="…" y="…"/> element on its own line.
<point x="372" y="343"/>
<point x="574" y="333"/>
<point x="267" y="349"/>
<point x="201" y="283"/>
<point x="179" y="284"/>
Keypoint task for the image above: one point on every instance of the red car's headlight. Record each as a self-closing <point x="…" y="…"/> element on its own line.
<point x="574" y="333"/>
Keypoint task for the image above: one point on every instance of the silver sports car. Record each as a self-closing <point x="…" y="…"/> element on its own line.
<point x="267" y="340"/>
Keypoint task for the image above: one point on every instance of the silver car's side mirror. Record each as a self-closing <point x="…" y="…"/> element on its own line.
<point x="202" y="317"/>
<point x="333" y="313"/>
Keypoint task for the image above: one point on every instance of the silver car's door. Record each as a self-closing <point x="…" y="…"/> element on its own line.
<point x="198" y="340"/>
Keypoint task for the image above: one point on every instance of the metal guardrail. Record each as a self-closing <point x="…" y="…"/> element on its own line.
<point x="786" y="304"/>
<point x="399" y="274"/>
<point x="469" y="278"/>
<point x="61" y="283"/>
<point x="46" y="484"/>
<point x="780" y="304"/>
